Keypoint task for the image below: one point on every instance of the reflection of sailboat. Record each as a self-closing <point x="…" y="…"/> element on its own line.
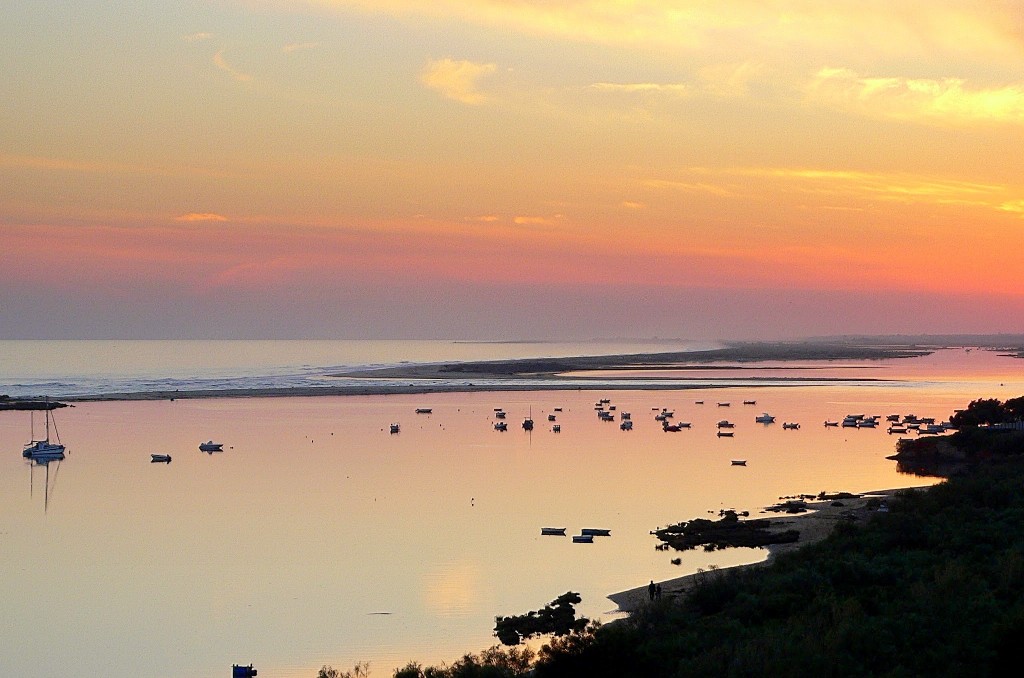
<point x="43" y="461"/>
<point x="44" y="450"/>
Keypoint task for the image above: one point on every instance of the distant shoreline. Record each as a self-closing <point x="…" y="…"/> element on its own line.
<point x="548" y="374"/>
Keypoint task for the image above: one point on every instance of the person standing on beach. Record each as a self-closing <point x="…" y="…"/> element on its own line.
<point x="657" y="591"/>
<point x="651" y="589"/>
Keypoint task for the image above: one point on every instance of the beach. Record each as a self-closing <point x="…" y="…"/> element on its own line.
<point x="559" y="373"/>
<point x="815" y="525"/>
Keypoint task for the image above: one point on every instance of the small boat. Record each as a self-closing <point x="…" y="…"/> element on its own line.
<point x="725" y="434"/>
<point x="749" y="402"/>
<point x="551" y="417"/>
<point x="626" y="425"/>
<point x="165" y="458"/>
<point x="552" y="531"/>
<point x="725" y="423"/>
<point x="210" y="446"/>
<point x="396" y="428"/>
<point x="625" y="415"/>
<point x="43" y="450"/>
<point x="558" y="409"/>
<point x="698" y="402"/>
<point x="790" y="425"/>
<point x="596" y="532"/>
<point x="893" y="417"/>
<point x="499" y="414"/>
<point x="527" y="424"/>
<point x="670" y="428"/>
<point x="557" y="428"/>
<point x="500" y="426"/>
<point x="583" y="539"/>
<point x="424" y="410"/>
<point x="831" y="423"/>
<point x="723" y="404"/>
<point x="739" y="462"/>
<point x="765" y="418"/>
<point x="896" y="429"/>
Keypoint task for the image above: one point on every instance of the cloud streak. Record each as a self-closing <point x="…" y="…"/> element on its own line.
<point x="458" y="80"/>
<point x="947" y="101"/>
<point x="201" y="216"/>
<point x="222" y="64"/>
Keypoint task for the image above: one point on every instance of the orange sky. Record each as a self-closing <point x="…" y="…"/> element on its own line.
<point x="479" y="168"/>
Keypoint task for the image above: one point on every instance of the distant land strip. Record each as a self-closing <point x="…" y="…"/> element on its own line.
<point x="546" y="373"/>
<point x="680" y="360"/>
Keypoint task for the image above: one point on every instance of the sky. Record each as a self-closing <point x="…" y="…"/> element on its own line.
<point x="510" y="169"/>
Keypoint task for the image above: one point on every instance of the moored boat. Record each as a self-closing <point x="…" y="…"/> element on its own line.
<point x="396" y="428"/>
<point x="165" y="458"/>
<point x="210" y="446"/>
<point x="739" y="462"/>
<point x="424" y="410"/>
<point x="583" y="539"/>
<point x="765" y="418"/>
<point x="553" y="531"/>
<point x="596" y="532"/>
<point x="44" y="450"/>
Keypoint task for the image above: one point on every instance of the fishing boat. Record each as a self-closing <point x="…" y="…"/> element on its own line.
<point x="396" y="428"/>
<point x="790" y="425"/>
<point x="44" y="450"/>
<point x="552" y="531"/>
<point x="163" y="458"/>
<point x="626" y="425"/>
<point x="210" y="446"/>
<point x="725" y="423"/>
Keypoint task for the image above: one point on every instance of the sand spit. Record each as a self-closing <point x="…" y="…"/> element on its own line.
<point x="815" y="525"/>
<point x="545" y="374"/>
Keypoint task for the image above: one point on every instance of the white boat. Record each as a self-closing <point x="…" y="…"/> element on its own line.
<point x="765" y="418"/>
<point x="165" y="458"/>
<point x="44" y="450"/>
<point x="210" y="446"/>
<point x="396" y="428"/>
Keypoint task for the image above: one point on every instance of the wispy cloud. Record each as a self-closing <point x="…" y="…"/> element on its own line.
<point x="197" y="37"/>
<point x="843" y="185"/>
<point x="219" y="62"/>
<point x="299" y="47"/>
<point x="201" y="216"/>
<point x="634" y="87"/>
<point x="948" y="101"/>
<point x="457" y="80"/>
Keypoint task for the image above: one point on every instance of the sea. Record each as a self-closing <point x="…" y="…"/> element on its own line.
<point x="318" y="537"/>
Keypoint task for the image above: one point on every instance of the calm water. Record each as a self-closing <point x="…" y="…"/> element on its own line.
<point x="318" y="537"/>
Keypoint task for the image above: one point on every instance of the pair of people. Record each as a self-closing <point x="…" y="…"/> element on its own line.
<point x="654" y="590"/>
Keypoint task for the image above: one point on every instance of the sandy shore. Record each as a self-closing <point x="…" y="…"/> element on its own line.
<point x="547" y="374"/>
<point x="814" y="526"/>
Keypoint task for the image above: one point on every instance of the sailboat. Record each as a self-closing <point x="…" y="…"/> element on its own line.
<point x="43" y="450"/>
